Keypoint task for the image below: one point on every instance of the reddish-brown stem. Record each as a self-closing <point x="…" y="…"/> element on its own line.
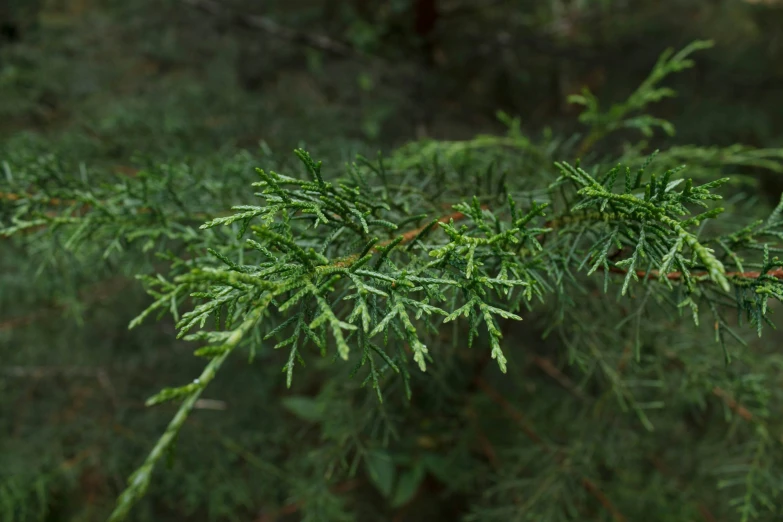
<point x="410" y="235"/>
<point x="674" y="276"/>
<point x="733" y="405"/>
<point x="554" y="372"/>
<point x="602" y="499"/>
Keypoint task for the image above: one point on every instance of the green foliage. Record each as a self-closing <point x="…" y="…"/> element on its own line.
<point x="382" y="274"/>
<point x="621" y="115"/>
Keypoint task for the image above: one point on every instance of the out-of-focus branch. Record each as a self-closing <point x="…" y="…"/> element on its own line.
<point x="468" y="8"/>
<point x="732" y="403"/>
<point x="272" y="28"/>
<point x="91" y="294"/>
<point x="590" y="486"/>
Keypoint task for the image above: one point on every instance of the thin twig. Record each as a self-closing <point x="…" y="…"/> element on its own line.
<point x="733" y="405"/>
<point x="674" y="276"/>
<point x="553" y="371"/>
<point x="210" y="404"/>
<point x="407" y="237"/>
<point x="602" y="499"/>
<point x="410" y="235"/>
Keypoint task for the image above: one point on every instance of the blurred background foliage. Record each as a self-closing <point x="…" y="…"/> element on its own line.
<point x="117" y="86"/>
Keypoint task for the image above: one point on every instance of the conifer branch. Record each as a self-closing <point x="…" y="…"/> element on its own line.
<point x="330" y="266"/>
<point x="517" y="416"/>
<point x="139" y="481"/>
<point x="106" y="289"/>
<point x="625" y="115"/>
<point x="547" y="366"/>
<point x="564" y="381"/>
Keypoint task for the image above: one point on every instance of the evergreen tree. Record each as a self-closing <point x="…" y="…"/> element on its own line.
<point x="505" y="328"/>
